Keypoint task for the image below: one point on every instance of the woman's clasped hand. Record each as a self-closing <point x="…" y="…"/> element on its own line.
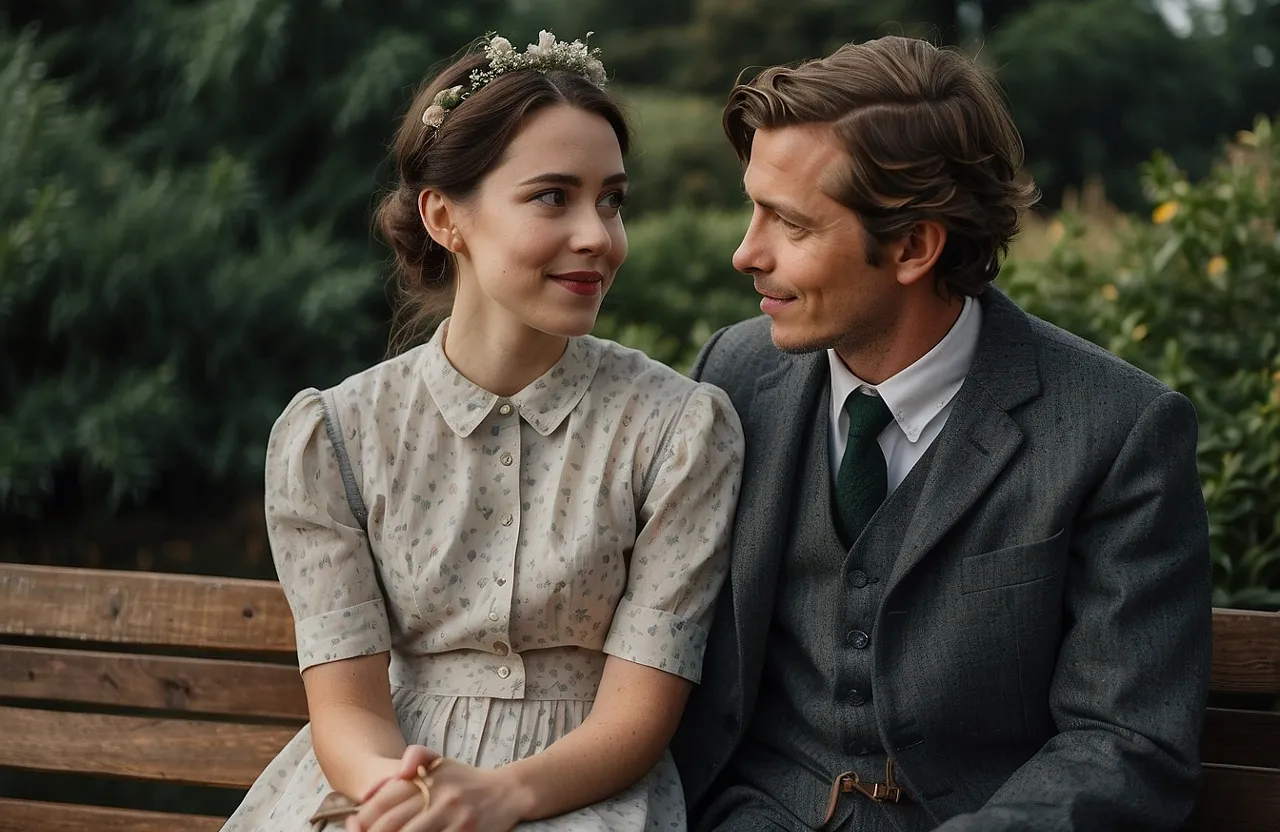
<point x="433" y="794"/>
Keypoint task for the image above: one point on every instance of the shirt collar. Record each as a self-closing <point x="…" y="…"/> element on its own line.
<point x="916" y="395"/>
<point x="544" y="403"/>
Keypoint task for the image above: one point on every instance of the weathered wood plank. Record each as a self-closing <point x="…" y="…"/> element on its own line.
<point x="1241" y="738"/>
<point x="26" y="815"/>
<point x="1246" y="651"/>
<point x="177" y="750"/>
<point x="144" y="608"/>
<point x="1239" y="799"/>
<point x="202" y="686"/>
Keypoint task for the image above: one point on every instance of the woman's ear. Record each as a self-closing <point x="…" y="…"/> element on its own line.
<point x="437" y="212"/>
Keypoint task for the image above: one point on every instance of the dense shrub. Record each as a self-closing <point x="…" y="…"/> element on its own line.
<point x="678" y="284"/>
<point x="146" y="349"/>
<point x="1193" y="297"/>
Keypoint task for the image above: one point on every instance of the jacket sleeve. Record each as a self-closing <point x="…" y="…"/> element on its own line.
<point x="1131" y="679"/>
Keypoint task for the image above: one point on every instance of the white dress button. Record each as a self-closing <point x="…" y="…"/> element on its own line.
<point x="504" y="671"/>
<point x="505" y="410"/>
<point x="493" y="616"/>
<point x="507" y="459"/>
<point x="506" y="519"/>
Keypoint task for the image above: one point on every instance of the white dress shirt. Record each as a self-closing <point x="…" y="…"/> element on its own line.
<point x="920" y="397"/>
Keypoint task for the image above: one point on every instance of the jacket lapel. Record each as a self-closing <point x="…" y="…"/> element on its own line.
<point x="980" y="436"/>
<point x="776" y="424"/>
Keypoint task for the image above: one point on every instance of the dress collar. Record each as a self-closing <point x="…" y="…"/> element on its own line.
<point x="544" y="403"/>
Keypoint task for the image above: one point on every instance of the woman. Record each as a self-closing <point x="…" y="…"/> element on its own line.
<point x="503" y="545"/>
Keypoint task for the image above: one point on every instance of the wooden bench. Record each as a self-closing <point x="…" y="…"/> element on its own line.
<point x="157" y="712"/>
<point x="1240" y="748"/>
<point x="70" y="707"/>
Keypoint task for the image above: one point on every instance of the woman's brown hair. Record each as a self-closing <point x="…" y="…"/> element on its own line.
<point x="453" y="159"/>
<point x="928" y="137"/>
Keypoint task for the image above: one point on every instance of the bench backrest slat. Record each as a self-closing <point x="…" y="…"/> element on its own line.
<point x="145" y="608"/>
<point x="26" y="815"/>
<point x="1243" y="738"/>
<point x="1246" y="651"/>
<point x="1238" y="799"/>
<point x="176" y="750"/>
<point x="172" y="683"/>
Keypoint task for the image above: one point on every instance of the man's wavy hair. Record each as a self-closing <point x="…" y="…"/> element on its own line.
<point x="928" y="137"/>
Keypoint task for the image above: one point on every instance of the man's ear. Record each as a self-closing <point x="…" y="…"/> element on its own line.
<point x="915" y="255"/>
<point x="438" y="214"/>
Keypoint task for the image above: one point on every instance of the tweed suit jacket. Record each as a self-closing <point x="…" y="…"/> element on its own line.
<point x="1041" y="656"/>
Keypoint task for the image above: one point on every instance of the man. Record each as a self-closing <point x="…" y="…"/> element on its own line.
<point x="970" y="580"/>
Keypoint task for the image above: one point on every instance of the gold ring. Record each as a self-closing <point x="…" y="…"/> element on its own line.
<point x="423" y="781"/>
<point x="423" y="786"/>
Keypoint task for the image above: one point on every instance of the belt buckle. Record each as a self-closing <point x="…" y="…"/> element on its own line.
<point x="849" y="781"/>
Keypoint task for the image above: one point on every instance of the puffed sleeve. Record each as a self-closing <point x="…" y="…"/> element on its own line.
<point x="681" y="554"/>
<point x="321" y="555"/>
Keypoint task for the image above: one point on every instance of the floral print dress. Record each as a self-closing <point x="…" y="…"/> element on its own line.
<point x="512" y="544"/>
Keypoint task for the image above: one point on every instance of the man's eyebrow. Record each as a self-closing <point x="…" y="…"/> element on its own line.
<point x="786" y="211"/>
<point x="570" y="180"/>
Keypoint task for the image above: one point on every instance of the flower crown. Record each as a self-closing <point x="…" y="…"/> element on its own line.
<point x="546" y="55"/>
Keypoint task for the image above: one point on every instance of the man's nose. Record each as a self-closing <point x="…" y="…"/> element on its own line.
<point x="748" y="256"/>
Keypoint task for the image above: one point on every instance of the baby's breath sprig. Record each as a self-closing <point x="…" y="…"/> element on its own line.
<point x="546" y="55"/>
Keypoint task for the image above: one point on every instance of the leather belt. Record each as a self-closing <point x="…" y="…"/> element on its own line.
<point x="887" y="792"/>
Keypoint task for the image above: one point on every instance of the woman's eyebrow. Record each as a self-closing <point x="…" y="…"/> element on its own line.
<point x="570" y="180"/>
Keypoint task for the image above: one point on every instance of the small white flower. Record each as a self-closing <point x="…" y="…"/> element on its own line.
<point x="500" y="47"/>
<point x="433" y="116"/>
<point x="595" y="72"/>
<point x="449" y="98"/>
<point x="546" y="41"/>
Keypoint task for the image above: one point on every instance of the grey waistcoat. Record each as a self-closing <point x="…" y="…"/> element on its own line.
<point x="815" y="717"/>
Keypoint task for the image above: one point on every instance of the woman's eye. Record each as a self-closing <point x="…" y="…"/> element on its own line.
<point x="555" y="198"/>
<point x="614" y="200"/>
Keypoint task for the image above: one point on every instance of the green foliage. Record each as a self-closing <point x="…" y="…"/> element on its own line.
<point x="681" y="158"/>
<point x="678" y="285"/>
<point x="1192" y="298"/>
<point x="1097" y="85"/>
<point x="145" y="335"/>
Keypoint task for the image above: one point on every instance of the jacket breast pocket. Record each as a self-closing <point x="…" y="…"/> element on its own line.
<point x="1015" y="565"/>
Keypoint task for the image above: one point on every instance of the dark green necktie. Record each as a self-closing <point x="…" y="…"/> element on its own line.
<point x="863" y="479"/>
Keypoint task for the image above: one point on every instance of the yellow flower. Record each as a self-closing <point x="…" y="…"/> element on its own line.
<point x="1056" y="231"/>
<point x="1164" y="212"/>
<point x="1217" y="265"/>
<point x="1139" y="332"/>
<point x="1110" y="292"/>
